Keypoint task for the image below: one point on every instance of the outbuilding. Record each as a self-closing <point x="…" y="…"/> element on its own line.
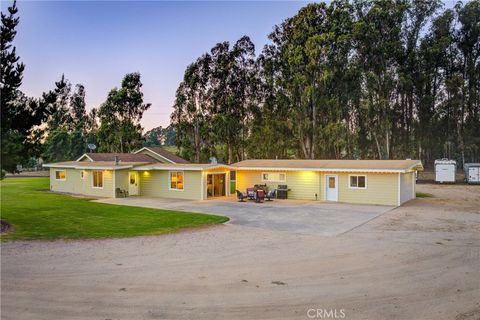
<point x="472" y="173"/>
<point x="445" y="170"/>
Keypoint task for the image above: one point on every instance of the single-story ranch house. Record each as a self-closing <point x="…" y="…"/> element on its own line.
<point x="154" y="172"/>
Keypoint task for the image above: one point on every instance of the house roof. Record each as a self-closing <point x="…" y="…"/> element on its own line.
<point x="164" y="154"/>
<point x="332" y="165"/>
<point x="123" y="157"/>
<point x="101" y="165"/>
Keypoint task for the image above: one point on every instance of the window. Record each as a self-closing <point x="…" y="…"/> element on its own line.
<point x="60" y="175"/>
<point x="358" y="182"/>
<point x="97" y="179"/>
<point x="176" y="180"/>
<point x="233" y="175"/>
<point x="274" y="177"/>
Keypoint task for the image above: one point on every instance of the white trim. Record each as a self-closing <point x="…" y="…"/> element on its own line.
<point x="399" y="202"/>
<point x="357" y="175"/>
<point x="83" y="156"/>
<point x="201" y="185"/>
<point x="227" y="184"/>
<point x="323" y="170"/>
<point x="79" y="167"/>
<point x="146" y="148"/>
<point x="103" y="179"/>
<point x="414" y="182"/>
<point x="113" y="183"/>
<point x="170" y="180"/>
<point x="64" y="179"/>
<point x="278" y="180"/>
<point x="336" y="186"/>
<point x="173" y="168"/>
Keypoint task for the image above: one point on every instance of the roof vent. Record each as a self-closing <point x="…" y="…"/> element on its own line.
<point x="117" y="160"/>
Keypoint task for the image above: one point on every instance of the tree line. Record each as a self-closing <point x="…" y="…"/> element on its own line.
<point x="57" y="126"/>
<point x="376" y="79"/>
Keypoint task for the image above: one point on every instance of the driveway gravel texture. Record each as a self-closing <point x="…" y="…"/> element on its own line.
<point x="418" y="261"/>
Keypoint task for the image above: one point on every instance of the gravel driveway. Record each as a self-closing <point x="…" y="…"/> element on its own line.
<point x="419" y="261"/>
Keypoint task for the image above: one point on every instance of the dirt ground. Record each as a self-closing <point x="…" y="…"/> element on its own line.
<point x="419" y="261"/>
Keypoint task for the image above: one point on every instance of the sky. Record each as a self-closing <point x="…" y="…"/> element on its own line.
<point x="95" y="43"/>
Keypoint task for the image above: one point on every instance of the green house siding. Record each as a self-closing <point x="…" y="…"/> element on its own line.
<point x="157" y="184"/>
<point x="121" y="179"/>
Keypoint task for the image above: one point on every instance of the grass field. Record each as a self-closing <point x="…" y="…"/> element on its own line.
<point x="424" y="195"/>
<point x="36" y="214"/>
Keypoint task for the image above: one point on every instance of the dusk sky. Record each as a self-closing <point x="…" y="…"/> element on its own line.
<point x="96" y="43"/>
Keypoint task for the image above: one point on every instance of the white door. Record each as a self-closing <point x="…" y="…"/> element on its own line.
<point x="445" y="173"/>
<point x="133" y="183"/>
<point x="331" y="188"/>
<point x="474" y="174"/>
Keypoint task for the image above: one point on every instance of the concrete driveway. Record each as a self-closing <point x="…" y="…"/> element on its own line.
<point x="305" y="217"/>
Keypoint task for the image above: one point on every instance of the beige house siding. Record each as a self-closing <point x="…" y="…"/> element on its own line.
<point x="155" y="156"/>
<point x="157" y="184"/>
<point x="121" y="179"/>
<point x="302" y="184"/>
<point x="382" y="188"/>
<point x="71" y="184"/>
<point x="75" y="184"/>
<point x="407" y="187"/>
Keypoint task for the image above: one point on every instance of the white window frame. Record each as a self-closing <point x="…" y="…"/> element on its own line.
<point x="170" y="180"/>
<point x="357" y="175"/>
<point x="103" y="179"/>
<point x="63" y="178"/>
<point x="275" y="180"/>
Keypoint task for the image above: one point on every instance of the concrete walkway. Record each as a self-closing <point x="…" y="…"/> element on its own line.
<point x="305" y="217"/>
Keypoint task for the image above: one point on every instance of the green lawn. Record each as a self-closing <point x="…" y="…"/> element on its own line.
<point x="424" y="195"/>
<point x="36" y="214"/>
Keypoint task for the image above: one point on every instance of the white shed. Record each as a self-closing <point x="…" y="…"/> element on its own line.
<point x="472" y="172"/>
<point x="445" y="170"/>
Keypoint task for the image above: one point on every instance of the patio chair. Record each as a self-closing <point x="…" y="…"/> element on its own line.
<point x="240" y="196"/>
<point x="270" y="194"/>
<point x="260" y="196"/>
<point x="251" y="193"/>
<point x="121" y="193"/>
<point x="260" y="186"/>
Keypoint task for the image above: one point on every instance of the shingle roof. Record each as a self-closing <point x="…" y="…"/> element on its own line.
<point x="123" y="157"/>
<point x="324" y="165"/>
<point x="170" y="156"/>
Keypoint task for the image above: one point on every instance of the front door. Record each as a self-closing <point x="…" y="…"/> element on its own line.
<point x="331" y="188"/>
<point x="216" y="184"/>
<point x="133" y="183"/>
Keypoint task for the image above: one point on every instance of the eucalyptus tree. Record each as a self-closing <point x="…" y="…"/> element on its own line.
<point x="232" y="93"/>
<point x="468" y="42"/>
<point x="192" y="110"/>
<point x="313" y="49"/>
<point x="120" y="129"/>
<point x="378" y="44"/>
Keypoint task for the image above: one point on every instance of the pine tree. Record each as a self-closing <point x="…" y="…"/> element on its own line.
<point x="19" y="113"/>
